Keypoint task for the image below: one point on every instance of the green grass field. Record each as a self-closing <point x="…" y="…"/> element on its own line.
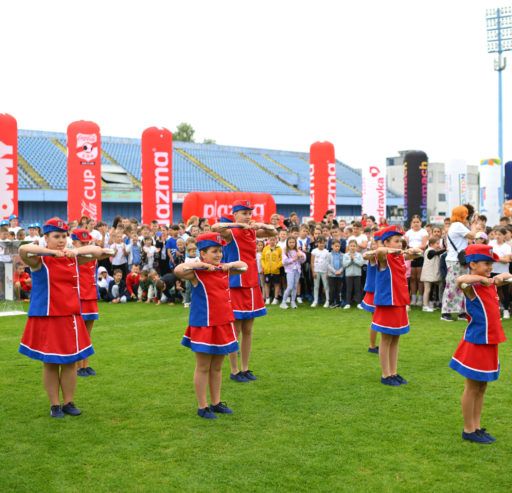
<point x="317" y="420"/>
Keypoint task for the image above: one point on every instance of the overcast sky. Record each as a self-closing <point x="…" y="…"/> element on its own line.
<point x="372" y="77"/>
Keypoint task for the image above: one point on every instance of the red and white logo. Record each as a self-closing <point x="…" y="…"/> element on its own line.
<point x="87" y="147"/>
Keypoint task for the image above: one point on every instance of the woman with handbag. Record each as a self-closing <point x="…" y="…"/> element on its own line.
<point x="460" y="233"/>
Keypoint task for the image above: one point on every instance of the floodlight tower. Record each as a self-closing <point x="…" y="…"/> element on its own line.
<point x="499" y="39"/>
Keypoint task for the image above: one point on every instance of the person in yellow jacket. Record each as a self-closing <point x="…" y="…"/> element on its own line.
<point x="272" y="261"/>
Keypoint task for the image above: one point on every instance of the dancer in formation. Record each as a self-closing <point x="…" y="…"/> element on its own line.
<point x="55" y="332"/>
<point x="240" y="236"/>
<point x="211" y="333"/>
<point x="476" y="357"/>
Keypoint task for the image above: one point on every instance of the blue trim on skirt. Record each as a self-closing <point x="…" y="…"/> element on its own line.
<point x="474" y="374"/>
<point x="56" y="358"/>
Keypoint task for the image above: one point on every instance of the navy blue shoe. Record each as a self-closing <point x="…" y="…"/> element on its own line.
<point x="239" y="377"/>
<point x="90" y="371"/>
<point x="71" y="409"/>
<point x="56" y="412"/>
<point x="482" y="431"/>
<point x="475" y="437"/>
<point x="248" y="374"/>
<point x="221" y="408"/>
<point x="389" y="381"/>
<point x="206" y="413"/>
<point x="400" y="380"/>
<point x="82" y="372"/>
<point x="374" y="350"/>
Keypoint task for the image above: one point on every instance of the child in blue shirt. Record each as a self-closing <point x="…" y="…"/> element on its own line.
<point x="335" y="272"/>
<point x="353" y="263"/>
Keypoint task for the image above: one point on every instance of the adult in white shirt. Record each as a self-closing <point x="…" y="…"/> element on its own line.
<point x="416" y="237"/>
<point x="458" y="236"/>
<point x="504" y="252"/>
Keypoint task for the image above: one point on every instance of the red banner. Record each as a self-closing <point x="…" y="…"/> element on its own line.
<point x="8" y="166"/>
<point x="84" y="170"/>
<point x="156" y="201"/>
<point x="322" y="179"/>
<point x="213" y="205"/>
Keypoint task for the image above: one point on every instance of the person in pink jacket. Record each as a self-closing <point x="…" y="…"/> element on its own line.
<point x="292" y="260"/>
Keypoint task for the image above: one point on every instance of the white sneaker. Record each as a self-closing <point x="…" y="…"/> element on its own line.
<point x="408" y="308"/>
<point x="360" y="307"/>
<point x="326" y="304"/>
<point x="284" y="306"/>
<point x="427" y="309"/>
<point x="186" y="305"/>
<point x="299" y="299"/>
<point x="315" y="303"/>
<point x="413" y="300"/>
<point x="419" y="301"/>
<point x="275" y="301"/>
<point x="267" y="301"/>
<point x="346" y="307"/>
<point x="506" y="314"/>
<point x="293" y="305"/>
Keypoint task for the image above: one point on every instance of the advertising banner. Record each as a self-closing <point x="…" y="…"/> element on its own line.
<point x="415" y="186"/>
<point x="84" y="170"/>
<point x="374" y="192"/>
<point x="156" y="146"/>
<point x="213" y="205"/>
<point x="8" y="166"/>
<point x="508" y="180"/>
<point x="490" y="190"/>
<point x="322" y="180"/>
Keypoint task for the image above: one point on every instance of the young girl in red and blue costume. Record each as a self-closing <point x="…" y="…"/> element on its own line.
<point x="476" y="357"/>
<point x="88" y="293"/>
<point x="211" y="333"/>
<point x="391" y="299"/>
<point x="245" y="289"/>
<point x="55" y="332"/>
<point x="369" y="288"/>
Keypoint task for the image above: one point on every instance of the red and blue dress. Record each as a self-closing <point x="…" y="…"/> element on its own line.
<point x="476" y="356"/>
<point x="245" y="288"/>
<point x="369" y="288"/>
<point x="391" y="297"/>
<point x="88" y="290"/>
<point x="210" y="327"/>
<point x="55" y="332"/>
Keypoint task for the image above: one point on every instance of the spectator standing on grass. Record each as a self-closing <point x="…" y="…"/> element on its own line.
<point x="462" y="229"/>
<point x="335" y="272"/>
<point x="293" y="258"/>
<point x="210" y="333"/>
<point x="319" y="268"/>
<point x="272" y="261"/>
<point x="416" y="237"/>
<point x="352" y="265"/>
<point x="431" y="271"/>
<point x="120" y="258"/>
<point x="504" y="252"/>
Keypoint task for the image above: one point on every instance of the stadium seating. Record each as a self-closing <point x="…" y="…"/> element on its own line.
<point x="239" y="171"/>
<point x="286" y="170"/>
<point x="46" y="158"/>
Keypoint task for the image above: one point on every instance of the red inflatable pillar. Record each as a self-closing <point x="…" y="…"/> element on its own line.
<point x="84" y="170"/>
<point x="156" y="146"/>
<point x="322" y="178"/>
<point x="8" y="166"/>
